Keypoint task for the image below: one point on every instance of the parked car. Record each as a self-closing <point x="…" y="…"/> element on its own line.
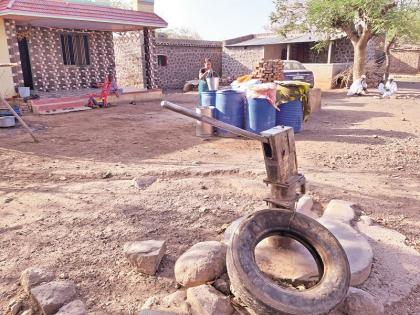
<point x="295" y="71"/>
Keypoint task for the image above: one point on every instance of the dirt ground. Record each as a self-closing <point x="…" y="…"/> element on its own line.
<point x="69" y="203"/>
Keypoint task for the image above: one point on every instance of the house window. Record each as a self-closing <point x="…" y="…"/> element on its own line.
<point x="75" y="49"/>
<point x="162" y="60"/>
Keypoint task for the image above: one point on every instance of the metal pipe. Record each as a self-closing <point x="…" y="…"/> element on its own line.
<point x="211" y="121"/>
<point x="2" y="100"/>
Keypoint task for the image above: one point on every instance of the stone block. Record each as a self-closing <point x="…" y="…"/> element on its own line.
<point x="175" y="302"/>
<point x="358" y="250"/>
<point x="34" y="276"/>
<point x="361" y="302"/>
<point x="76" y="307"/>
<point x="222" y="285"/>
<point x="53" y="295"/>
<point x="340" y="210"/>
<point x="145" y="255"/>
<point x="305" y="205"/>
<point x="206" y="300"/>
<point x="202" y="263"/>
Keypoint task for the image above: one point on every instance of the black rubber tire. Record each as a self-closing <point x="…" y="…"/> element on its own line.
<point x="263" y="295"/>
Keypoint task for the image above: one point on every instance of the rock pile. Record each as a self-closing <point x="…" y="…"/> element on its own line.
<point x="201" y="271"/>
<point x="205" y="286"/>
<point x="47" y="295"/>
<point x="269" y="70"/>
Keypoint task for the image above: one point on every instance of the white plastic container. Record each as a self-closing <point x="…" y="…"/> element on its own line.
<point x="213" y="83"/>
<point x="24" y="91"/>
<point x="204" y="130"/>
<point x="7" y="121"/>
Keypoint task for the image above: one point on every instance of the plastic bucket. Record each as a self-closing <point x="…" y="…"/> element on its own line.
<point x="291" y="114"/>
<point x="208" y="98"/>
<point x="230" y="108"/>
<point x="260" y="115"/>
<point x="24" y="92"/>
<point x="6" y="112"/>
<point x="7" y="121"/>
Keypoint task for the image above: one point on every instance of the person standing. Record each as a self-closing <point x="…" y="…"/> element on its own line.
<point x="205" y="73"/>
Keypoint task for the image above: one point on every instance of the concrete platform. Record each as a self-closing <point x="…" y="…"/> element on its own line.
<point x="294" y="262"/>
<point x="315" y="98"/>
<point x="58" y="105"/>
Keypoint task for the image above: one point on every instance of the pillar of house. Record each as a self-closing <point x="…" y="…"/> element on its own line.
<point x="143" y="5"/>
<point x="150" y="59"/>
<point x="330" y="47"/>
<point x="289" y="48"/>
<point x="14" y="55"/>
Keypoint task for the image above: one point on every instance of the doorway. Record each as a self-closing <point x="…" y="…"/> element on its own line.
<point x="26" y="63"/>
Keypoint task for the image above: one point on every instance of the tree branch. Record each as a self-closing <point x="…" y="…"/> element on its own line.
<point x="389" y="43"/>
<point x="388" y="7"/>
<point x="348" y="29"/>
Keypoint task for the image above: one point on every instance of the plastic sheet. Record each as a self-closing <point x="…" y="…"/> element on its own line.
<point x="266" y="91"/>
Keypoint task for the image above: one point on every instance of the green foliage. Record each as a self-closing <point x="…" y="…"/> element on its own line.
<point x="179" y="33"/>
<point x="402" y="24"/>
<point x="359" y="19"/>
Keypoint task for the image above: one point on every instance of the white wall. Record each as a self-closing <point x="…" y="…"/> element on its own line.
<point x="6" y="79"/>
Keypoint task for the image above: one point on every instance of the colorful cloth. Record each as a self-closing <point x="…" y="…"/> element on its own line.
<point x="202" y="87"/>
<point x="265" y="90"/>
<point x="288" y="91"/>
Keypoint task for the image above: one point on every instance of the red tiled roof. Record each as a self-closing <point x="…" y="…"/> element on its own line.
<point x="84" y="12"/>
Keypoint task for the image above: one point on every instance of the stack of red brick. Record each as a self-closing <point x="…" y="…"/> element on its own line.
<point x="269" y="70"/>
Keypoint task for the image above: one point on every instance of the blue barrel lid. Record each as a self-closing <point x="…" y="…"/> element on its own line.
<point x="230" y="91"/>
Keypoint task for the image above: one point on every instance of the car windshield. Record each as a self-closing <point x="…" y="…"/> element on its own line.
<point x="293" y="66"/>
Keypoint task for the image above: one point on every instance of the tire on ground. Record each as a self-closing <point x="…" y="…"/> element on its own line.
<point x="262" y="294"/>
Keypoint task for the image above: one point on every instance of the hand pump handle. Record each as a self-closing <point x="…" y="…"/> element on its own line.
<point x="211" y="121"/>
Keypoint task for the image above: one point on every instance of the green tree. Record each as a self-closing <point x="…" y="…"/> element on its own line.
<point x="360" y="20"/>
<point x="401" y="26"/>
<point x="179" y="33"/>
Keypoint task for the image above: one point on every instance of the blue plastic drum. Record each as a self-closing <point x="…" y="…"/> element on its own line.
<point x="260" y="115"/>
<point x="230" y="108"/>
<point x="208" y="98"/>
<point x="291" y="114"/>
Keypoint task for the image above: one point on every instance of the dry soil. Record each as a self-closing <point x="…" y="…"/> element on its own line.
<point x="69" y="203"/>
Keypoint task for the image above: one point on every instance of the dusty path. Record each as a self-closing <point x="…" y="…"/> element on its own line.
<point x="58" y="210"/>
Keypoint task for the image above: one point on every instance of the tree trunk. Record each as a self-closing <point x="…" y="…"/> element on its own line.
<point x="359" y="59"/>
<point x="387" y="51"/>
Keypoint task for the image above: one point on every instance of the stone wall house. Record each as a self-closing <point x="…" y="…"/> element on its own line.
<point x="47" y="58"/>
<point x="405" y="58"/>
<point x="57" y="45"/>
<point x="238" y="61"/>
<point x="129" y="61"/>
<point x="180" y="60"/>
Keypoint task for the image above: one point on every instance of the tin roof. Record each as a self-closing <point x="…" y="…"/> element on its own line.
<point x="62" y="10"/>
<point x="275" y="39"/>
